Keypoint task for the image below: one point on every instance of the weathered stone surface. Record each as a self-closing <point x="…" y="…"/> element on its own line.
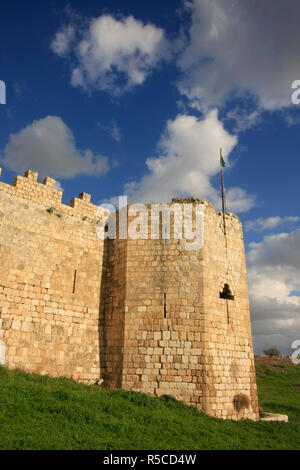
<point x="275" y="417"/>
<point x="2" y="353"/>
<point x="144" y="315"/>
<point x="168" y="331"/>
<point x="48" y="323"/>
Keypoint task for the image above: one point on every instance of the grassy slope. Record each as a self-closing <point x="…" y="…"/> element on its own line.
<point x="44" y="413"/>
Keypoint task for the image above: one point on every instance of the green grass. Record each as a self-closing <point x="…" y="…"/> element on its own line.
<point x="44" y="413"/>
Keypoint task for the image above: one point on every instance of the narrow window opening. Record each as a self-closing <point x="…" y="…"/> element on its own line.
<point x="74" y="281"/>
<point x="228" y="319"/>
<point x="226" y="293"/>
<point x="160" y="226"/>
<point x="165" y="305"/>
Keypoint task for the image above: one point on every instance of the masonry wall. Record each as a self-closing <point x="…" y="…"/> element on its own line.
<point x="229" y="359"/>
<point x="143" y="314"/>
<point x="112" y="312"/>
<point x="180" y="337"/>
<point x="50" y="280"/>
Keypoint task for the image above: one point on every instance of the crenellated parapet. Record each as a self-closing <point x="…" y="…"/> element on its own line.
<point x="51" y="263"/>
<point x="28" y="187"/>
<point x="46" y="194"/>
<point x="161" y="307"/>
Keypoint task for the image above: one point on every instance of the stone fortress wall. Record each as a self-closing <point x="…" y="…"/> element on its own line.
<point x="50" y="279"/>
<point x="141" y="314"/>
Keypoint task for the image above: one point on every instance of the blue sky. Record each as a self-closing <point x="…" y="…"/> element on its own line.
<point x="136" y="98"/>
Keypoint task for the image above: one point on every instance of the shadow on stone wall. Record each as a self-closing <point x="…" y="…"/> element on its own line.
<point x="112" y="316"/>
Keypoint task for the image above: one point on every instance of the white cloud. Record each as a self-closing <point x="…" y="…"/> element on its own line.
<point x="237" y="200"/>
<point x="241" y="47"/>
<point x="59" y="186"/>
<point x="269" y="223"/>
<point x="112" y="55"/>
<point x="291" y="116"/>
<point x="19" y="88"/>
<point x="48" y="146"/>
<point x="63" y="40"/>
<point x="274" y="277"/>
<point x="243" y="118"/>
<point x="113" y="130"/>
<point x="188" y="160"/>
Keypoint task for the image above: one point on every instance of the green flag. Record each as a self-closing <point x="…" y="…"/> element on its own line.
<point x="222" y="161"/>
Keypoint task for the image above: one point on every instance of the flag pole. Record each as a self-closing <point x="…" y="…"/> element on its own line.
<point x="222" y="163"/>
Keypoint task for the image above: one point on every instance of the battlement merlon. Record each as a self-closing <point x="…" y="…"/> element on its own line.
<point x="47" y="195"/>
<point x="231" y="220"/>
<point x="189" y="200"/>
<point x="196" y="200"/>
